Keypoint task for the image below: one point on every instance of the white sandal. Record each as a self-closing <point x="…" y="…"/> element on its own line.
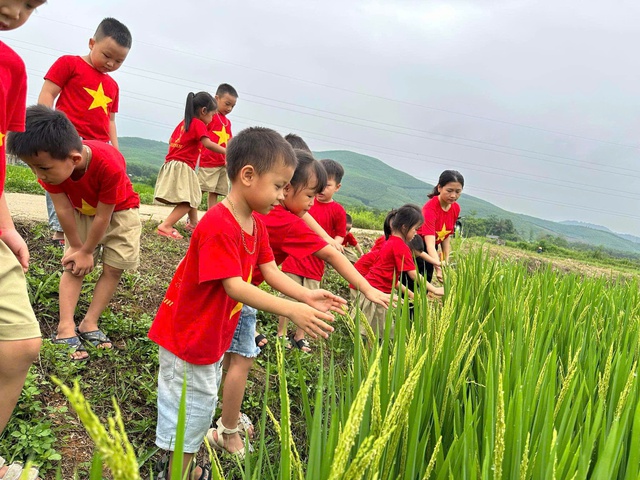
<point x="219" y="443"/>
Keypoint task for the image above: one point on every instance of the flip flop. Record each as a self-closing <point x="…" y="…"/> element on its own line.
<point x="74" y="344"/>
<point x="189" y="228"/>
<point x="301" y="344"/>
<point x="259" y="339"/>
<point x="174" y="235"/>
<point x="95" y="338"/>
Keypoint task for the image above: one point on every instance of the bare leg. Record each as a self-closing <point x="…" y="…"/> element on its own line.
<point x="299" y="335"/>
<point x="105" y="288"/>
<point x="186" y="462"/>
<point x="282" y="326"/>
<point x="193" y="216"/>
<point x="178" y="212"/>
<point x="14" y="372"/>
<point x="212" y="199"/>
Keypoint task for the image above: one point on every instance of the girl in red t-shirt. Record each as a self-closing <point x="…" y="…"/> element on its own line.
<point x="177" y="182"/>
<point x="441" y="213"/>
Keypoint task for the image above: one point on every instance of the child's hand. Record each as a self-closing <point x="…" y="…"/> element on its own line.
<point x="17" y="245"/>
<point x="439" y="273"/>
<point x="77" y="262"/>
<point x="337" y="245"/>
<point x="311" y="320"/>
<point x="376" y="296"/>
<point x="324" y="301"/>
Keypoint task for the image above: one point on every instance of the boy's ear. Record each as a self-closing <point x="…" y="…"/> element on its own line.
<point x="338" y="186"/>
<point x="75" y="157"/>
<point x="92" y="42"/>
<point x="247" y="175"/>
<point x="287" y="189"/>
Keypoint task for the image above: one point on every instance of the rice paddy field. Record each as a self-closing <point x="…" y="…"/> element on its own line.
<point x="515" y="374"/>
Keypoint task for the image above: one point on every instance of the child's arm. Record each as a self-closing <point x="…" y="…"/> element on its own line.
<point x="413" y="275"/>
<point x="319" y="299"/>
<point x="359" y="249"/>
<point x="446" y="248"/>
<point x="10" y="236"/>
<point x="304" y="316"/>
<point x="431" y="253"/>
<point x="315" y="226"/>
<point x="49" y="93"/>
<point x="113" y="133"/>
<point x="214" y="147"/>
<point x="344" y="267"/>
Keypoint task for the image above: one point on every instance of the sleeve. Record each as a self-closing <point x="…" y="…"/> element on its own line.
<point x="60" y="72"/>
<point x="200" y="129"/>
<point x="429" y="225"/>
<point x="265" y="254"/>
<point x="115" y="104"/>
<point x="404" y="260"/>
<point x="113" y="179"/>
<point x="340" y="221"/>
<point x="17" y="103"/>
<point x="219" y="258"/>
<point x="300" y="241"/>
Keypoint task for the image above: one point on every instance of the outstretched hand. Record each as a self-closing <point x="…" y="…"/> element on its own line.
<point x="324" y="301"/>
<point x="312" y="321"/>
<point x="376" y="296"/>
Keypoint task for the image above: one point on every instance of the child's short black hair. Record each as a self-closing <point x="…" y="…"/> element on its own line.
<point x="296" y="141"/>
<point x="334" y="170"/>
<point x="349" y="219"/>
<point x="110" y="27"/>
<point x="306" y="166"/>
<point x="225" y="88"/>
<point x="47" y="130"/>
<point x="259" y="147"/>
<point x="417" y="244"/>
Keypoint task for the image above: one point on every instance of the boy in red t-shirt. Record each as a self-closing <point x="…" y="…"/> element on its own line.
<point x="308" y="271"/>
<point x="212" y="173"/>
<point x="196" y="321"/>
<point x="19" y="330"/>
<point x="86" y="93"/>
<point x="350" y="241"/>
<point x="97" y="206"/>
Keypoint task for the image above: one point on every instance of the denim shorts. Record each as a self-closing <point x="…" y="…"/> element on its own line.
<point x="203" y="382"/>
<point x="244" y="338"/>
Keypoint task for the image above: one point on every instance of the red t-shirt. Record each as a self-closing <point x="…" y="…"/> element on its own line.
<point x="105" y="181"/>
<point x="219" y="132"/>
<point x="349" y="240"/>
<point x="394" y="257"/>
<point x="197" y="319"/>
<point x="366" y="261"/>
<point x="437" y="222"/>
<point x="88" y="97"/>
<point x="289" y="236"/>
<point x="332" y="217"/>
<point x="186" y="146"/>
<point x="13" y="99"/>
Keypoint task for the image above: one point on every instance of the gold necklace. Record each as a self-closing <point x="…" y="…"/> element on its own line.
<point x="222" y="121"/>
<point x="244" y="242"/>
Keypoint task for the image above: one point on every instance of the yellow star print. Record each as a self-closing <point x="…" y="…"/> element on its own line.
<point x="223" y="136"/>
<point x="87" y="209"/>
<point x="2" y="135"/>
<point x="442" y="234"/>
<point x="239" y="305"/>
<point x="99" y="98"/>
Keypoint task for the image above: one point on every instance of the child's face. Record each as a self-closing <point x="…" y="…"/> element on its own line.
<point x="15" y="13"/>
<point x="107" y="55"/>
<point x="450" y="193"/>
<point x="52" y="170"/>
<point x="206" y="115"/>
<point x="267" y="189"/>
<point x="299" y="202"/>
<point x="326" y="195"/>
<point x="226" y="103"/>
<point x="411" y="233"/>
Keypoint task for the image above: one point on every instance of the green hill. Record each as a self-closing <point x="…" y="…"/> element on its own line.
<point x="373" y="184"/>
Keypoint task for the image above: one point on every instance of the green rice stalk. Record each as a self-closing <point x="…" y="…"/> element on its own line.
<point x="498" y="452"/>
<point x="625" y="391"/>
<point x="603" y="381"/>
<point x="432" y="460"/>
<point x="524" y="463"/>
<point x="566" y="384"/>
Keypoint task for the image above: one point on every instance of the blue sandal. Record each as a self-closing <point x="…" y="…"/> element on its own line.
<point x="74" y="344"/>
<point x="97" y="338"/>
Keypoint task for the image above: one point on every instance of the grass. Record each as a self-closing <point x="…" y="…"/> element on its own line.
<point x="518" y="373"/>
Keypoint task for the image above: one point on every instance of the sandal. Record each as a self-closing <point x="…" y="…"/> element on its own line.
<point x="259" y="339"/>
<point x="161" y="469"/>
<point x="286" y="341"/>
<point x="174" y="235"/>
<point x="218" y="443"/>
<point x="301" y="344"/>
<point x="74" y="344"/>
<point x="97" y="338"/>
<point x="245" y="426"/>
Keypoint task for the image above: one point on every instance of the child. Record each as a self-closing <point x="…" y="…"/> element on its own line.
<point x="440" y="215"/>
<point x="288" y="235"/>
<point x="296" y="141"/>
<point x="86" y="93"/>
<point x="394" y="257"/>
<point x="309" y="270"/>
<point x="96" y="205"/>
<point x="195" y="323"/>
<point x="177" y="182"/>
<point x="19" y="330"/>
<point x="350" y="241"/>
<point x="212" y="173"/>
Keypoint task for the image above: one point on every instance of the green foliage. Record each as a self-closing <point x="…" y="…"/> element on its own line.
<point x="363" y="218"/>
<point x="474" y="226"/>
<point x="22" y="179"/>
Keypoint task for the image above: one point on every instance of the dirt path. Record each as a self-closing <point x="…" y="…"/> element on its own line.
<point x="25" y="206"/>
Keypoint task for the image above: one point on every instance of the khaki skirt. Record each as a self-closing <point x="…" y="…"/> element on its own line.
<point x="177" y="183"/>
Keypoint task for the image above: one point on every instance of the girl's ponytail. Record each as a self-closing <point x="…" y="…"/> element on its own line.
<point x="387" y="223"/>
<point x="188" y="111"/>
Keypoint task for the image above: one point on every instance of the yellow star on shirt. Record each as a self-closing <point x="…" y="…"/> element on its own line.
<point x="87" y="209"/>
<point x="239" y="305"/>
<point x="442" y="234"/>
<point x="2" y="135"/>
<point x="99" y="98"/>
<point x="223" y="136"/>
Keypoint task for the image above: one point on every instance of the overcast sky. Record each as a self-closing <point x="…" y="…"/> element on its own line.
<point x="537" y="103"/>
